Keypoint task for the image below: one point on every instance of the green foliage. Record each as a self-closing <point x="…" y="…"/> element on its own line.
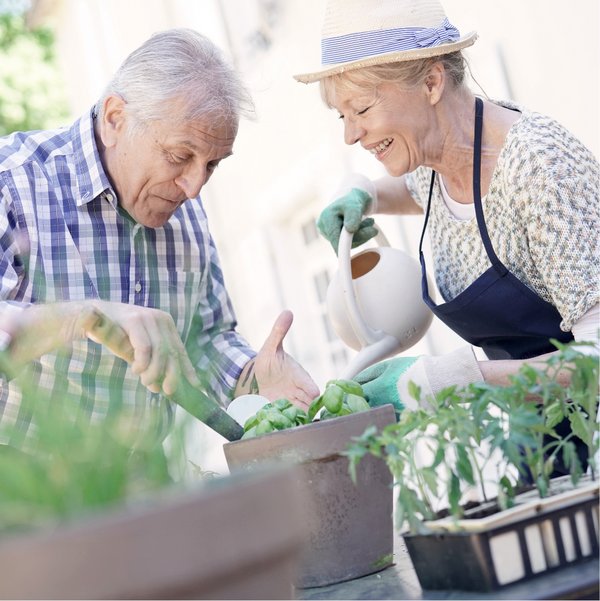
<point x="436" y="456"/>
<point x="278" y="415"/>
<point x="341" y="397"/>
<point x="71" y="464"/>
<point x="31" y="90"/>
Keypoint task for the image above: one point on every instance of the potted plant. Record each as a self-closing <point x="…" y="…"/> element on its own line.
<point x="349" y="524"/>
<point x="98" y="510"/>
<point x="486" y="435"/>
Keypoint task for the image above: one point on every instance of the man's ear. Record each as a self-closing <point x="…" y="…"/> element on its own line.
<point x="113" y="119"/>
<point x="435" y="82"/>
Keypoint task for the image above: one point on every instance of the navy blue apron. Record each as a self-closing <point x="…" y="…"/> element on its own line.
<point x="497" y="312"/>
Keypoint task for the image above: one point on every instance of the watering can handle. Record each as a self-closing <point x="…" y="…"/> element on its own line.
<point x="365" y="334"/>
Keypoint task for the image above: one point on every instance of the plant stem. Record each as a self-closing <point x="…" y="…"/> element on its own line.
<point x="421" y="485"/>
<point x="479" y="470"/>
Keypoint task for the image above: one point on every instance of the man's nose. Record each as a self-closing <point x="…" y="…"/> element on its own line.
<point x="191" y="181"/>
<point x="352" y="131"/>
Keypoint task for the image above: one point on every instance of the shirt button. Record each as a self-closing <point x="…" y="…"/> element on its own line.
<point x="138" y="287"/>
<point x="109" y="197"/>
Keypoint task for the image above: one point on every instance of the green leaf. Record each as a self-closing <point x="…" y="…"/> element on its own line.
<point x="463" y="465"/>
<point x="439" y="456"/>
<point x="282" y="404"/>
<point x="454" y="494"/>
<point x="349" y="386"/>
<point x="506" y="493"/>
<point x="579" y="426"/>
<point x="541" y="484"/>
<point x="430" y="477"/>
<point x="554" y="414"/>
<point x="333" y="398"/>
<point x="414" y="391"/>
<point x="251" y="422"/>
<point x="355" y="453"/>
<point x="356" y="403"/>
<point x="314" y="407"/>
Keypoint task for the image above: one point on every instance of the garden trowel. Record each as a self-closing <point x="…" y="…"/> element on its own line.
<point x="194" y="400"/>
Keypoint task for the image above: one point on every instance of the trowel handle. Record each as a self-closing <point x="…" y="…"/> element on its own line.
<point x="365" y="334"/>
<point x="196" y="402"/>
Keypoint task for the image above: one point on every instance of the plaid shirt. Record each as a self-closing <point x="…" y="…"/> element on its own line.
<point x="63" y="237"/>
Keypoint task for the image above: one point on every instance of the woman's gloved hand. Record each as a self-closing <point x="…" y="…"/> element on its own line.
<point x="355" y="197"/>
<point x="380" y="381"/>
<point x="388" y="381"/>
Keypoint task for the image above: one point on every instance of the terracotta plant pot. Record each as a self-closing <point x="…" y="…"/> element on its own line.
<point x="536" y="536"/>
<point x="237" y="538"/>
<point x="349" y="526"/>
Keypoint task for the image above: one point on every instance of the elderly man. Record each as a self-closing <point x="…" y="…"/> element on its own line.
<point x="106" y="215"/>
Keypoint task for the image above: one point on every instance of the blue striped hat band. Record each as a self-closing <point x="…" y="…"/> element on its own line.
<point x="367" y="44"/>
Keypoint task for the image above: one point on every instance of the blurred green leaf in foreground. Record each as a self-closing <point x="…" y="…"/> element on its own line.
<point x="71" y="464"/>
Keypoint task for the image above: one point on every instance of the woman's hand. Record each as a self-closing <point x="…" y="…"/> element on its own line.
<point x="355" y="197"/>
<point x="391" y="381"/>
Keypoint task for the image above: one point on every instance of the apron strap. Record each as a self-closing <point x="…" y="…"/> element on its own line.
<point x="424" y="283"/>
<point x="485" y="238"/>
<point x="427" y="210"/>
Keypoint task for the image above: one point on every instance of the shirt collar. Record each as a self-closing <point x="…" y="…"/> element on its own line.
<point x="91" y="177"/>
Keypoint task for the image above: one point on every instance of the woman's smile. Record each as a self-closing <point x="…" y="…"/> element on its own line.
<point x="380" y="149"/>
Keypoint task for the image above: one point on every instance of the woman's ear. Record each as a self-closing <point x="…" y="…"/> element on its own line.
<point x="435" y="82"/>
<point x="113" y="119"/>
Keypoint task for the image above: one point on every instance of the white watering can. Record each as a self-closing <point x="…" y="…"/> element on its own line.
<point x="374" y="302"/>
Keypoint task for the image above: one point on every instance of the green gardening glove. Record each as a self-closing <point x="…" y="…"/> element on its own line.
<point x="380" y="381"/>
<point x="347" y="211"/>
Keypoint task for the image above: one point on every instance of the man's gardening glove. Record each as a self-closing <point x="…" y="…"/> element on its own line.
<point x="354" y="198"/>
<point x="388" y="381"/>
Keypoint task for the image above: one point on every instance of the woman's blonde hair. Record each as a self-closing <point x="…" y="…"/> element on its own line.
<point x="406" y="74"/>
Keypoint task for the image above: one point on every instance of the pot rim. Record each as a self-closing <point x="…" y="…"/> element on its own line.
<point x="528" y="508"/>
<point x="315" y="440"/>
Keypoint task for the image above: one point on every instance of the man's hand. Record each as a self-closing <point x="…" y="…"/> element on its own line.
<point x="144" y="337"/>
<point x="274" y="374"/>
<point x="39" y="329"/>
<point x="148" y="339"/>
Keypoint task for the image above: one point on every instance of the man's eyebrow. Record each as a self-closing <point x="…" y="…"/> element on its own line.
<point x="195" y="148"/>
<point x="189" y="145"/>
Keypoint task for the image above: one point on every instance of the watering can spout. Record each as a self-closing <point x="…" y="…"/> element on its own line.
<point x="368" y="355"/>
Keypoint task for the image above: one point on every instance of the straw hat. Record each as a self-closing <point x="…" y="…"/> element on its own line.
<point x="362" y="33"/>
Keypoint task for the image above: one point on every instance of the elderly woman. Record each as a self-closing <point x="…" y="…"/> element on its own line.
<point x="510" y="197"/>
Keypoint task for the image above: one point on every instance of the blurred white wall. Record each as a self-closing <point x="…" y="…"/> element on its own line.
<point x="264" y="200"/>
